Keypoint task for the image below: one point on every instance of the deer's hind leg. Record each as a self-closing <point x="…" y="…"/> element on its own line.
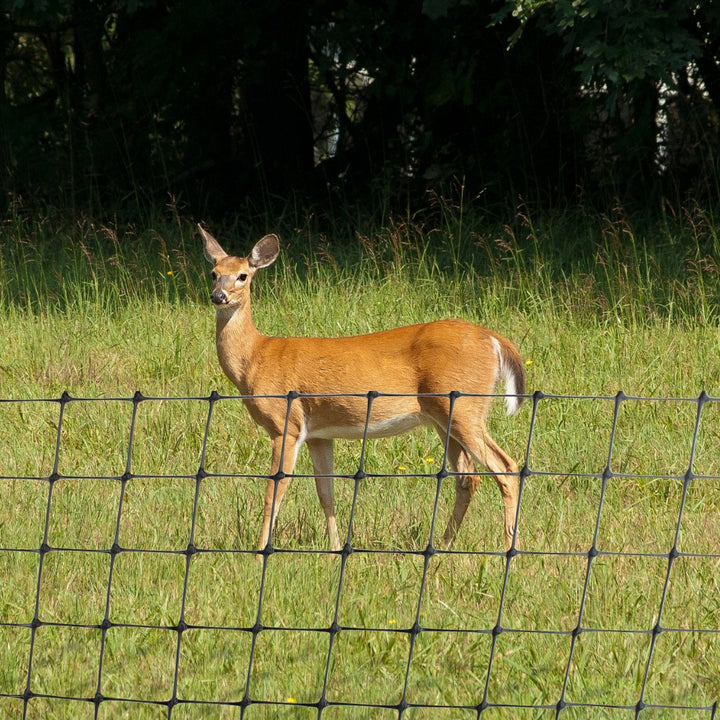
<point x="507" y="477"/>
<point x="465" y="486"/>
<point x="470" y="441"/>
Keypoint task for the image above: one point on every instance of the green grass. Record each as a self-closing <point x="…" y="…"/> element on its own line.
<point x="596" y="305"/>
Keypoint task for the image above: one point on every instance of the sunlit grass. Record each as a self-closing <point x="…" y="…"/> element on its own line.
<point x="596" y="306"/>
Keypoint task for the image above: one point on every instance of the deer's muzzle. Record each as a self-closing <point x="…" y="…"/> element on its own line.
<point x="218" y="297"/>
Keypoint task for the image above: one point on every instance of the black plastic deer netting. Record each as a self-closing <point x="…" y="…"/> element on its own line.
<point x="130" y="586"/>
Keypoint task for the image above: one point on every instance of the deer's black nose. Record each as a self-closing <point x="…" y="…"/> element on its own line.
<point x="218" y="297"/>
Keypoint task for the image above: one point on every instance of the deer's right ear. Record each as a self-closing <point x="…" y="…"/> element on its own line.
<point x="211" y="247"/>
<point x="265" y="252"/>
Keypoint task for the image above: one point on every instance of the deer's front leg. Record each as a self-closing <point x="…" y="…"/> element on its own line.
<point x="321" y="452"/>
<point x="284" y="455"/>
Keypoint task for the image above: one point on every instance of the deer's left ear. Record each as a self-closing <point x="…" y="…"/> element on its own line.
<point x="265" y="252"/>
<point x="211" y="247"/>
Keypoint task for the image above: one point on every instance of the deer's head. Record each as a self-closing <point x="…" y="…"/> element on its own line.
<point x="232" y="275"/>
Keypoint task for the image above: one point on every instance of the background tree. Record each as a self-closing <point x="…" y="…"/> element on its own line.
<point x="111" y="105"/>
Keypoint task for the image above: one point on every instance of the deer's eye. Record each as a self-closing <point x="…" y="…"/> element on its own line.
<point x="214" y="276"/>
<point x="242" y="277"/>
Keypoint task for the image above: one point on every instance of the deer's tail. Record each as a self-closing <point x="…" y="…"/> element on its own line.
<point x="512" y="370"/>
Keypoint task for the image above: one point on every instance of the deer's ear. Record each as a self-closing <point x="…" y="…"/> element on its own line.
<point x="265" y="252"/>
<point x="211" y="247"/>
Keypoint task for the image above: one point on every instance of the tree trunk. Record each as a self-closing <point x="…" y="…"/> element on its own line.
<point x="276" y="100"/>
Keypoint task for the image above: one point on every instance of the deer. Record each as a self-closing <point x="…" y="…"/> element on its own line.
<point x="312" y="390"/>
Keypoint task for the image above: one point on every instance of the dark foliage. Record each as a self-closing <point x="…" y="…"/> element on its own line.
<point x="117" y="105"/>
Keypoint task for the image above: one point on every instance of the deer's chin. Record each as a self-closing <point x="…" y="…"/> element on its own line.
<point x="225" y="305"/>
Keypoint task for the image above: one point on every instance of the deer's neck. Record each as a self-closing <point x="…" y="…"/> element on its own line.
<point x="236" y="338"/>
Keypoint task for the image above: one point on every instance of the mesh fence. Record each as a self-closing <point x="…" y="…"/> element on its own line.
<point x="130" y="585"/>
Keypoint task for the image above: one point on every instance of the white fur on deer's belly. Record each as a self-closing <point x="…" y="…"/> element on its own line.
<point x="376" y="429"/>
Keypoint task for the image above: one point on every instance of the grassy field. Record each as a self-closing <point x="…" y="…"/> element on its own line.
<point x="597" y="305"/>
